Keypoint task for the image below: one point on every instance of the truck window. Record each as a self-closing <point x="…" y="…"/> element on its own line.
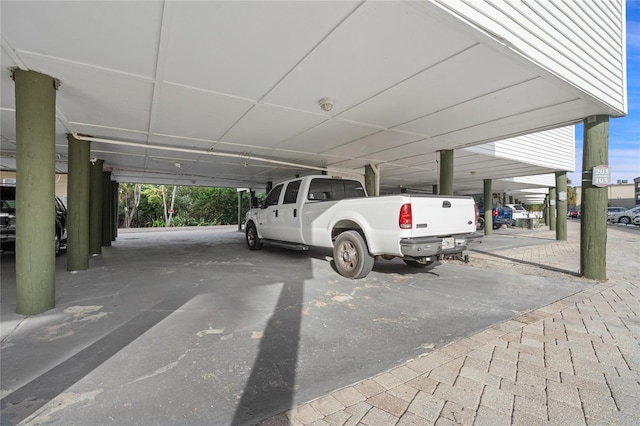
<point x="333" y="189"/>
<point x="274" y="196"/>
<point x="291" y="194"/>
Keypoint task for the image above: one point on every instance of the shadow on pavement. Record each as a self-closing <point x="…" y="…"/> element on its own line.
<point x="524" y="262"/>
<point x="273" y="376"/>
<point x="26" y="400"/>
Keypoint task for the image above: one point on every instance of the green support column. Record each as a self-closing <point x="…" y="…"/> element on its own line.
<point x="35" y="96"/>
<point x="116" y="218"/>
<point x="95" y="207"/>
<point x="488" y="208"/>
<point x="446" y="172"/>
<point x="552" y="209"/>
<point x="546" y="210"/>
<point x="78" y="205"/>
<point x="240" y="210"/>
<point x="372" y="180"/>
<point x="106" y="208"/>
<point x="593" y="223"/>
<point x="561" y="206"/>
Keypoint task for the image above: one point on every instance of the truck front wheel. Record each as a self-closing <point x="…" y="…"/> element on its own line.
<point x="253" y="241"/>
<point x="351" y="256"/>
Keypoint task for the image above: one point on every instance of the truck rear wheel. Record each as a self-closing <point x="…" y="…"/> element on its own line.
<point x="351" y="255"/>
<point x="253" y="241"/>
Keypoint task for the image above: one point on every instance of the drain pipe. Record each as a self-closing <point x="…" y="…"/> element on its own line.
<point x="214" y="153"/>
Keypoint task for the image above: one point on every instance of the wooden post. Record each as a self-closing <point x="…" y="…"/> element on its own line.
<point x="488" y="208"/>
<point x="593" y="224"/>
<point x="561" y="206"/>
<point x="446" y="172"/>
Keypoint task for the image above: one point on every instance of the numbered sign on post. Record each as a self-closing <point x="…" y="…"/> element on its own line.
<point x="601" y="176"/>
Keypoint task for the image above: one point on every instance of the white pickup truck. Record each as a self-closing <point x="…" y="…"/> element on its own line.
<point x="329" y="212"/>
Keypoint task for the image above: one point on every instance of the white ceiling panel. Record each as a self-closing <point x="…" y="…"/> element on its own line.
<point x="446" y="84"/>
<point x="87" y="95"/>
<point x="243" y="48"/>
<point x="330" y="134"/>
<point x="381" y="44"/>
<point x="196" y="113"/>
<point x="266" y="126"/>
<point x="369" y="145"/>
<point x="123" y="35"/>
<point x="531" y="95"/>
<point x="7" y="87"/>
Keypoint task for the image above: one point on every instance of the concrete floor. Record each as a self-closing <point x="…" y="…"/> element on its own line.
<point x="190" y="327"/>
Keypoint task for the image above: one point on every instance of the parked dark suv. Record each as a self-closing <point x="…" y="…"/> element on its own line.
<point x="8" y="220"/>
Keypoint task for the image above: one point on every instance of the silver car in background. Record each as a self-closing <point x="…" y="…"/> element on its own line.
<point x="625" y="216"/>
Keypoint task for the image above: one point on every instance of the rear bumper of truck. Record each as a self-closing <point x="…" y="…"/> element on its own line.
<point x="431" y="246"/>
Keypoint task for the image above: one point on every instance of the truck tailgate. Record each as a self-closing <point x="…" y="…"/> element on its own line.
<point x="442" y="216"/>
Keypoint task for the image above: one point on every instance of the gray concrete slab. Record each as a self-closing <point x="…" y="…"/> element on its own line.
<point x="190" y="327"/>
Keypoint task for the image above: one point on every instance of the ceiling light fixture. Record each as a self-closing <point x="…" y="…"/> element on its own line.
<point x="326" y="104"/>
<point x="178" y="165"/>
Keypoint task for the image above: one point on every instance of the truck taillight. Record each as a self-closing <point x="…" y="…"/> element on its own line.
<point x="495" y="213"/>
<point x="476" y="212"/>
<point x="405" y="220"/>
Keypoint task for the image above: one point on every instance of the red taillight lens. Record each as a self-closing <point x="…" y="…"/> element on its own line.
<point x="476" y="211"/>
<point x="495" y="213"/>
<point x="405" y="220"/>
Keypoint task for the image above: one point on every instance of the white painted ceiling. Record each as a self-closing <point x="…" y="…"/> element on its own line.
<point x="245" y="78"/>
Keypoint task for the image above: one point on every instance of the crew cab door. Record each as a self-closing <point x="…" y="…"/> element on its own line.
<point x="288" y="221"/>
<point x="268" y="214"/>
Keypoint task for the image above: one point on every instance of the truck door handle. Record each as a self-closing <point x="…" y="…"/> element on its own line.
<point x="276" y="212"/>
<point x="295" y="212"/>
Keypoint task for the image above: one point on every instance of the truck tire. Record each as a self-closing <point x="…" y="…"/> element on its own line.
<point x="351" y="255"/>
<point x="251" y="234"/>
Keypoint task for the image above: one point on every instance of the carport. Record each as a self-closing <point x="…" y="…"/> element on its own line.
<point x="244" y="94"/>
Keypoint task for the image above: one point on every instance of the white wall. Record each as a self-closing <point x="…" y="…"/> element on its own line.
<point x="554" y="149"/>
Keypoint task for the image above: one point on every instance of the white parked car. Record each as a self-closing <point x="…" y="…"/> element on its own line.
<point x="624" y="217"/>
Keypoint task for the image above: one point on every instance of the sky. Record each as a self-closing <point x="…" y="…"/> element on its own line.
<point x="624" y="133"/>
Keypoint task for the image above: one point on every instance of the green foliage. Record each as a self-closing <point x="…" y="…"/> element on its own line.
<point x="194" y="206"/>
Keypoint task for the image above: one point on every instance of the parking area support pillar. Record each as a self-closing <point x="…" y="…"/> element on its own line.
<point x="114" y="209"/>
<point x="593" y="223"/>
<point x="372" y="180"/>
<point x="488" y="208"/>
<point x="240" y="210"/>
<point x="561" y="206"/>
<point x="78" y="205"/>
<point x="35" y="97"/>
<point x="95" y="207"/>
<point x="446" y="172"/>
<point x="546" y="210"/>
<point x="106" y="210"/>
<point x="552" y="209"/>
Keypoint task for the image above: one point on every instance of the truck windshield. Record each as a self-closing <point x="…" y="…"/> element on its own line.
<point x="334" y="189"/>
